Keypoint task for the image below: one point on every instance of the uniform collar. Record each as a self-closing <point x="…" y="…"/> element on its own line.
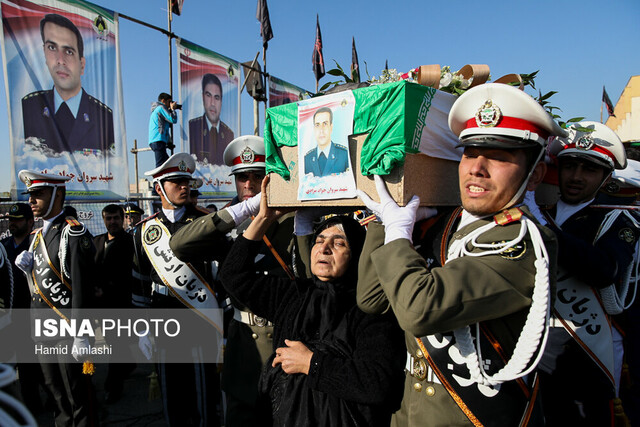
<point x="174" y="215"/>
<point x="325" y="151"/>
<point x="210" y="125"/>
<point x="564" y="211"/>
<point x="73" y="103"/>
<point x="46" y="223"/>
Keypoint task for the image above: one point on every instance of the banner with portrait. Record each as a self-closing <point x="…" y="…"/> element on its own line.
<point x="64" y="95"/>
<point x="281" y="92"/>
<point x="210" y="98"/>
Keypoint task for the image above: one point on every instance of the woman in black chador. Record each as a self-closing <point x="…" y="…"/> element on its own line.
<point x="333" y="364"/>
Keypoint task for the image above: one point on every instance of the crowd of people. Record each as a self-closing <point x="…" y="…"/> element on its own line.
<point x="497" y="312"/>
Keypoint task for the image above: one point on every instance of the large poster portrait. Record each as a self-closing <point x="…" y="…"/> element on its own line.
<point x="324" y="125"/>
<point x="209" y="94"/>
<point x="281" y="92"/>
<point x="64" y="94"/>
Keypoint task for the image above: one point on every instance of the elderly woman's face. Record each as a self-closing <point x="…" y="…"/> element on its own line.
<point x="330" y="254"/>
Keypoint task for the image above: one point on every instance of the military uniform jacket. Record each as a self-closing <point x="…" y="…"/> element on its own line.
<point x="92" y="128"/>
<point x="80" y="264"/>
<point x="21" y="295"/>
<point x="206" y="143"/>
<point x="145" y="275"/>
<point x="429" y="298"/>
<point x="337" y="162"/>
<point x="248" y="346"/>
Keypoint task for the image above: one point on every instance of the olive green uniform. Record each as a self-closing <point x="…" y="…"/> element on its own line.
<point x="248" y="345"/>
<point x="429" y="298"/>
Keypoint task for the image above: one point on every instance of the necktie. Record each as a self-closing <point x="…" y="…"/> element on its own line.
<point x="64" y="120"/>
<point x="322" y="161"/>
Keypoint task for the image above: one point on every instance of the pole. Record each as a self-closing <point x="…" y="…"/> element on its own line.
<point x="135" y="157"/>
<point x="316" y="86"/>
<point x="170" y="50"/>
<point x="266" y="88"/>
<point x="256" y="117"/>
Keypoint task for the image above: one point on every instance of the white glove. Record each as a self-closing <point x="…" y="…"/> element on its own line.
<point x="243" y="210"/>
<point x="80" y="349"/>
<point x="145" y="346"/>
<point x="530" y="201"/>
<point x="24" y="261"/>
<point x="398" y="222"/>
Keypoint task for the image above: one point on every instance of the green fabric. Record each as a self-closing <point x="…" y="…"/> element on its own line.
<point x="388" y="113"/>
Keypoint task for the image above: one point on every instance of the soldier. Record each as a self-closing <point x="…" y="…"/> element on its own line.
<point x="20" y="226"/>
<point x="473" y="295"/>
<point x="132" y="215"/>
<point x="190" y="392"/>
<point x="596" y="249"/>
<point x="249" y="337"/>
<point x="64" y="245"/>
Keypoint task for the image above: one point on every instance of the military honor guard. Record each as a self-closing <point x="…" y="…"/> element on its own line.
<point x="59" y="266"/>
<point x="190" y="392"/>
<point x="581" y="368"/>
<point x="249" y="337"/>
<point x="473" y="290"/>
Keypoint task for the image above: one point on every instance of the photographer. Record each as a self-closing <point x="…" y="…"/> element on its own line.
<point x="163" y="116"/>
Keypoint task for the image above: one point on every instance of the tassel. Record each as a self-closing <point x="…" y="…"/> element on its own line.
<point x="154" y="387"/>
<point x="88" y="368"/>
<point x="620" y="419"/>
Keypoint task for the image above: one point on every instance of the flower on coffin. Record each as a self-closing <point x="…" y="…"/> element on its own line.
<point x="453" y="82"/>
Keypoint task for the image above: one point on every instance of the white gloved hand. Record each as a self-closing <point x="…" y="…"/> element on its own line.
<point x="145" y="346"/>
<point x="243" y="210"/>
<point x="530" y="201"/>
<point x="425" y="213"/>
<point x="80" y="349"/>
<point x="398" y="222"/>
<point x="24" y="261"/>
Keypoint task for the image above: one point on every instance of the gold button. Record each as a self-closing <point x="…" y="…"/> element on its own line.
<point x="430" y="391"/>
<point x="419" y="354"/>
<point x="417" y="387"/>
<point x="255" y="336"/>
<point x="269" y="335"/>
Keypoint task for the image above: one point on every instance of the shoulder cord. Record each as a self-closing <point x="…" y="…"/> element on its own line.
<point x="614" y="297"/>
<point x="535" y="331"/>
<point x="64" y="245"/>
<point x="4" y="258"/>
<point x="11" y="409"/>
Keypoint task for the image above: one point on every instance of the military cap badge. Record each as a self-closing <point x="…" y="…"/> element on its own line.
<point x="247" y="156"/>
<point x="488" y="115"/>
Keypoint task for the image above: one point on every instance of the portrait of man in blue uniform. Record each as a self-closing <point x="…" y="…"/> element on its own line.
<point x="66" y="118"/>
<point x="327" y="157"/>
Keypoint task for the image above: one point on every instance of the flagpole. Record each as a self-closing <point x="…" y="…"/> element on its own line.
<point x="266" y="84"/>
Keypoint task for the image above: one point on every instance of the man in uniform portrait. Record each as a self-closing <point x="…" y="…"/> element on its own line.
<point x="327" y="157"/>
<point x="471" y="286"/>
<point x="66" y="118"/>
<point x="208" y="135"/>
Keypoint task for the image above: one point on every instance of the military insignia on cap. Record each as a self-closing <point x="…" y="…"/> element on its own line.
<point x="182" y="166"/>
<point x="612" y="187"/>
<point x="585" y="142"/>
<point x="13" y="209"/>
<point x="152" y="235"/>
<point x="247" y="156"/>
<point x="514" y="252"/>
<point x="488" y="115"/>
<point x="627" y="235"/>
<point x="27" y="182"/>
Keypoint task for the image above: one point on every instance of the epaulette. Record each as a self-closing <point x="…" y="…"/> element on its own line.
<point x="147" y="218"/>
<point x="100" y="103"/>
<point x="73" y="222"/>
<point x="508" y="216"/>
<point x="32" y="94"/>
<point x="310" y="151"/>
<point x="341" y="147"/>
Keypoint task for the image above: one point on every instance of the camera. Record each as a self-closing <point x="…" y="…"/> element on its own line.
<point x="178" y="107"/>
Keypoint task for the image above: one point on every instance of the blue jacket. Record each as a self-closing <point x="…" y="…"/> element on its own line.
<point x="160" y="122"/>
<point x="337" y="162"/>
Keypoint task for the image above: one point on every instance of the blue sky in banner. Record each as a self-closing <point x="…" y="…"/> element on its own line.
<point x="578" y="46"/>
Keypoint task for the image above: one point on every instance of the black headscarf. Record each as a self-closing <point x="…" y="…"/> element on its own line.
<point x="326" y="302"/>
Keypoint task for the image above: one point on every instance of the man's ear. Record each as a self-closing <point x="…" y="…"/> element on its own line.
<point x="539" y="171"/>
<point x="83" y="62"/>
